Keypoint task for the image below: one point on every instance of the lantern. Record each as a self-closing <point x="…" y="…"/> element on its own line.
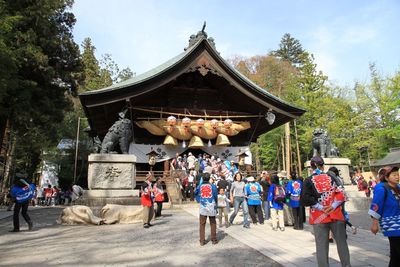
<point x="186" y="122"/>
<point x="200" y="123"/>
<point x="270" y="117"/>
<point x="171" y="120"/>
<point x="242" y="156"/>
<point x="228" y="123"/>
<point x="152" y="158"/>
<point x="214" y="123"/>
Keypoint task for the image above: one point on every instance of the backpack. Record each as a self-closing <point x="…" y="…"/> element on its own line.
<point x="279" y="194"/>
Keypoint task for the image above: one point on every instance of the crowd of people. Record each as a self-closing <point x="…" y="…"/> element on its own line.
<point x="23" y="194"/>
<point x="362" y="184"/>
<point x="276" y="197"/>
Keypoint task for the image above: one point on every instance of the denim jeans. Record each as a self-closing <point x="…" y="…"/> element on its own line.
<point x="237" y="201"/>
<point x="266" y="210"/>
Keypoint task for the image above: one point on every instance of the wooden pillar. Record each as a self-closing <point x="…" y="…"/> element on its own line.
<point x="278" y="156"/>
<point x="166" y="169"/>
<point x="287" y="138"/>
<point x="283" y="154"/>
<point x="300" y="167"/>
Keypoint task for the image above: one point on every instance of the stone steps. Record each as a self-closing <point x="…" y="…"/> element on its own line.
<point x="357" y="201"/>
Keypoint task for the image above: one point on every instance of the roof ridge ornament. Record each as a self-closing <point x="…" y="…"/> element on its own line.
<point x="194" y="38"/>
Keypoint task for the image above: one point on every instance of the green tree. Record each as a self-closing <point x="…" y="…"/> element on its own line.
<point x="377" y="108"/>
<point x="125" y="74"/>
<point x="91" y="68"/>
<point x="290" y="49"/>
<point x="100" y="73"/>
<point x="267" y="72"/>
<point x="40" y="64"/>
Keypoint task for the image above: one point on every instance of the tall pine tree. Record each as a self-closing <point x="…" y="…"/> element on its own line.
<point x="290" y="49"/>
<point x="43" y="64"/>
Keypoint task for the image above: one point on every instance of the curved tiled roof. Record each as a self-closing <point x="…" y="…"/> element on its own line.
<point x="170" y="64"/>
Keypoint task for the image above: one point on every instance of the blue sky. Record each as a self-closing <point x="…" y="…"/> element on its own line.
<point x="344" y="36"/>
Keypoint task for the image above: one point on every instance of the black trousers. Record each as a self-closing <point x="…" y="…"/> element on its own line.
<point x="298" y="218"/>
<point x="190" y="190"/>
<point x="184" y="192"/>
<point x="159" y="208"/>
<point x="256" y="209"/>
<point x="18" y="206"/>
<point x="394" y="242"/>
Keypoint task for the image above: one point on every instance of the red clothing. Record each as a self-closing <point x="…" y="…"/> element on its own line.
<point x="323" y="184"/>
<point x="158" y="194"/>
<point x="147" y="196"/>
<point x="48" y="192"/>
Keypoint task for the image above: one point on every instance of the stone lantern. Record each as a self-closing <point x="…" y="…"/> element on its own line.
<point x="242" y="166"/>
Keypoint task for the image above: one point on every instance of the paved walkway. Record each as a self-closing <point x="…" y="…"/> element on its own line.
<point x="4" y="213"/>
<point x="294" y="248"/>
<point x="289" y="248"/>
<point x="173" y="241"/>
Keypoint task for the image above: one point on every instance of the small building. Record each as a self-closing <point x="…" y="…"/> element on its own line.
<point x="391" y="159"/>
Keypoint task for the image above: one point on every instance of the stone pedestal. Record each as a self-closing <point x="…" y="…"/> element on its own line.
<point x="111" y="180"/>
<point x="341" y="163"/>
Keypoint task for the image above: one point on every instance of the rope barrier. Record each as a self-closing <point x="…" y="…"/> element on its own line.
<point x="196" y="116"/>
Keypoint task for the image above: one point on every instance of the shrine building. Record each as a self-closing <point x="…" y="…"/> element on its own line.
<point x="194" y="102"/>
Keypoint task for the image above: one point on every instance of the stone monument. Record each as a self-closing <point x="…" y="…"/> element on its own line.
<point x="111" y="176"/>
<point x="323" y="147"/>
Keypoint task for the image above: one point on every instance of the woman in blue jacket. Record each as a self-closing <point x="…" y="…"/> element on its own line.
<point x="385" y="210"/>
<point x="293" y="191"/>
<point x="276" y="204"/>
<point x="253" y="192"/>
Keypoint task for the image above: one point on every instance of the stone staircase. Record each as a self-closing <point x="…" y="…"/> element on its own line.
<point x="357" y="201"/>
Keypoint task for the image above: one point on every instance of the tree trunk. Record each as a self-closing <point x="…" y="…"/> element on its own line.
<point x="3" y="131"/>
<point x="288" y="156"/>
<point x="9" y="162"/>
<point x="298" y="149"/>
<point x="283" y="154"/>
<point x="278" y="157"/>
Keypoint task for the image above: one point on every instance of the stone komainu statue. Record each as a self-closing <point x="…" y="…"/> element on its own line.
<point x="322" y="145"/>
<point x="119" y="133"/>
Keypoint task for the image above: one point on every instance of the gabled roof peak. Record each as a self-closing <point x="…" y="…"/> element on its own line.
<point x="194" y="38"/>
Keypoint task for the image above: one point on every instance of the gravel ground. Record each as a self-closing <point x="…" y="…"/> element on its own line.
<point x="173" y="241"/>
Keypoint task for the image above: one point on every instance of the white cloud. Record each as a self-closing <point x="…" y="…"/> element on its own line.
<point x="358" y="34"/>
